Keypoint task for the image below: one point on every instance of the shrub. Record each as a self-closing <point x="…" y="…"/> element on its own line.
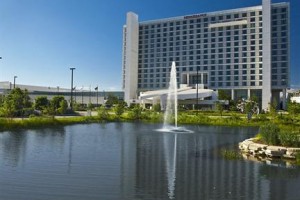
<point x="298" y="158"/>
<point x="119" y="109"/>
<point x="270" y="133"/>
<point x="262" y="118"/>
<point x="288" y="138"/>
<point x="136" y="112"/>
<point x="157" y="107"/>
<point x="235" y="117"/>
<point x="102" y="113"/>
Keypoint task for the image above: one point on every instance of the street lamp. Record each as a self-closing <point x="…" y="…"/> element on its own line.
<point x="197" y="89"/>
<point x="97" y="94"/>
<point x="15" y="81"/>
<point x="71" y="102"/>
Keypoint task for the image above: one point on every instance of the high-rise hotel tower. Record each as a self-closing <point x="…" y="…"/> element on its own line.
<point x="242" y="51"/>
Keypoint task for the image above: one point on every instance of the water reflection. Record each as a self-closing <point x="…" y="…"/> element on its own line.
<point x="170" y="151"/>
<point x="194" y="169"/>
<point x="12" y="146"/>
<point x="132" y="161"/>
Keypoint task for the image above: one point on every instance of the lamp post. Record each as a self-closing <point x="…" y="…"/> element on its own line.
<point x="96" y="88"/>
<point x="71" y="102"/>
<point x="82" y="96"/>
<point x="57" y="90"/>
<point x="197" y="90"/>
<point x="15" y="81"/>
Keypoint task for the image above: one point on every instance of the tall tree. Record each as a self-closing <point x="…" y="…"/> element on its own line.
<point x="41" y="103"/>
<point x="16" y="102"/>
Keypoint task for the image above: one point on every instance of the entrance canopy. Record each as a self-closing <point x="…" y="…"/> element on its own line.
<point x="183" y="94"/>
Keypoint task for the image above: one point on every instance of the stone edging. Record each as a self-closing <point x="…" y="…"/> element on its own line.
<point x="261" y="150"/>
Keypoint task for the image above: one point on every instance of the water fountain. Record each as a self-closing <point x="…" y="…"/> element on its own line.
<point x="170" y="116"/>
<point x="172" y="100"/>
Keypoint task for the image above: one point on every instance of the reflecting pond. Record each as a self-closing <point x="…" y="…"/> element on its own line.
<point x="133" y="161"/>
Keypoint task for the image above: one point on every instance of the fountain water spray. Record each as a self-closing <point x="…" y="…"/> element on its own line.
<point x="172" y="101"/>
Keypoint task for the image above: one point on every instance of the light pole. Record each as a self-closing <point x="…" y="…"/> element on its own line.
<point x="71" y="102"/>
<point x="197" y="89"/>
<point x="82" y="96"/>
<point x="15" y="81"/>
<point x="96" y="88"/>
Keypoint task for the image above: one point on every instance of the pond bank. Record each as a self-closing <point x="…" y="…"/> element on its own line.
<point x="255" y="149"/>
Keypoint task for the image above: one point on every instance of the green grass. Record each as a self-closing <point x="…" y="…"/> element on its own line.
<point x="298" y="159"/>
<point x="38" y="122"/>
<point x="184" y="117"/>
<point x="231" y="154"/>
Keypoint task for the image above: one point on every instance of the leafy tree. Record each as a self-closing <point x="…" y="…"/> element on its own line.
<point x="157" y="107"/>
<point x="15" y="103"/>
<point x="102" y="113"/>
<point x="63" y="106"/>
<point x="272" y="109"/>
<point x="119" y="109"/>
<point x="136" y="112"/>
<point x="293" y="108"/>
<point x="111" y="100"/>
<point x="219" y="107"/>
<point x="223" y="95"/>
<point x="41" y="103"/>
<point x="55" y="105"/>
<point x="90" y="106"/>
<point x="249" y="107"/>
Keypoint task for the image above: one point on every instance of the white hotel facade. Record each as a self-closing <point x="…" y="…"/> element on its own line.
<point x="243" y="51"/>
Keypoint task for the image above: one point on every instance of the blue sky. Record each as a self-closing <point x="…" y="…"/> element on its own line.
<point x="41" y="39"/>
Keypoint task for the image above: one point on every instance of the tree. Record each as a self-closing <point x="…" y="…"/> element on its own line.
<point x="219" y="107"/>
<point x="249" y="107"/>
<point x="102" y="113"/>
<point x="222" y="95"/>
<point x="157" y="107"/>
<point x="272" y="108"/>
<point x="119" y="109"/>
<point x="136" y="112"/>
<point x="56" y="105"/>
<point x="15" y="103"/>
<point x="111" y="100"/>
<point x="41" y="103"/>
<point x="63" y="106"/>
<point x="293" y="108"/>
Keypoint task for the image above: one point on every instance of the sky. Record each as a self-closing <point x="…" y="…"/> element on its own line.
<point x="41" y="39"/>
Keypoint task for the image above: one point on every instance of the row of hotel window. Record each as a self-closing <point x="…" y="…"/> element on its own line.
<point x="200" y="61"/>
<point x="279" y="48"/>
<point x="219" y="78"/>
<point x="205" y="38"/>
<point x="206" y="54"/>
<point x="205" y="27"/>
<point x="216" y="84"/>
<point x="191" y="34"/>
<point x="275" y="66"/>
<point x="275" y="12"/>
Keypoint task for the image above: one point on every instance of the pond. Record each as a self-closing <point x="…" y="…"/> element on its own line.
<point x="134" y="161"/>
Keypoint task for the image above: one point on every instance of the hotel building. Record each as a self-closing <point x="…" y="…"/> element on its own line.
<point x="243" y="51"/>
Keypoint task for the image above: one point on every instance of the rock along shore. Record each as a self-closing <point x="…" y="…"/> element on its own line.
<point x="250" y="147"/>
